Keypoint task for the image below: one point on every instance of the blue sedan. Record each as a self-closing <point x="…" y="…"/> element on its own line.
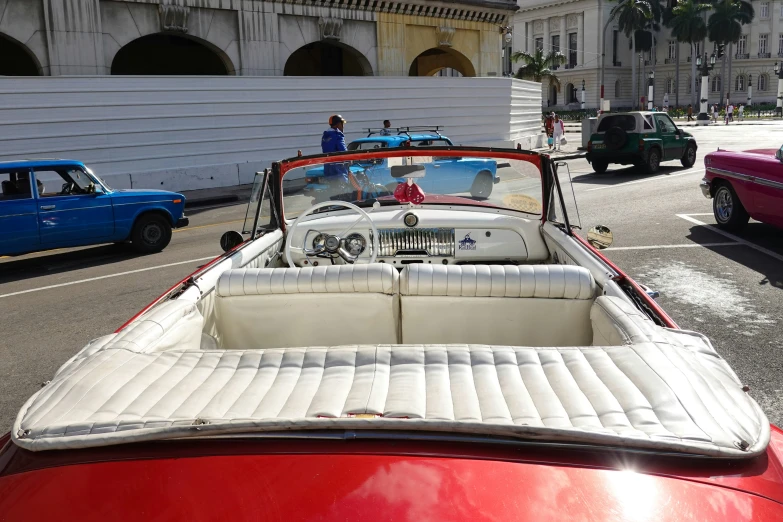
<point x="445" y="175"/>
<point x="62" y="203"/>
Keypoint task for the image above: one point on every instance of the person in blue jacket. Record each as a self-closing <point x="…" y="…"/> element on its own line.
<point x="338" y="175"/>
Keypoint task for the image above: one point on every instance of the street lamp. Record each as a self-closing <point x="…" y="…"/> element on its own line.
<point x="779" y="72"/>
<point x="705" y="65"/>
<point x="583" y="95"/>
<point x="750" y="90"/>
<point x="650" y="91"/>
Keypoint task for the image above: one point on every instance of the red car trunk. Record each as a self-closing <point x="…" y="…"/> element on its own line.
<point x="381" y="480"/>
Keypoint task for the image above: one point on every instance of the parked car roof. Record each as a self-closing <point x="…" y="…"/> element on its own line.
<point x="21" y="164"/>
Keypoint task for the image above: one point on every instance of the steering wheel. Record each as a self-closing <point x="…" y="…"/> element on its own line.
<point x="331" y="245"/>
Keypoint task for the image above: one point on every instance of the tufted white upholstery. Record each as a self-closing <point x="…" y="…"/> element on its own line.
<point x="287" y="307"/>
<point x="536" y="305"/>
<point x="670" y="395"/>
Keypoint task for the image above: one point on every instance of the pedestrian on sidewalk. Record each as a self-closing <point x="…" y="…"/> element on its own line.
<point x="549" y="128"/>
<point x="741" y="110"/>
<point x="714" y="113"/>
<point x="559" y="132"/>
<point x="690" y="112"/>
<point x="730" y="112"/>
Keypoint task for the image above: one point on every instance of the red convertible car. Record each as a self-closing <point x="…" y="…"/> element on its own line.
<point x="411" y="357"/>
<point x="745" y="185"/>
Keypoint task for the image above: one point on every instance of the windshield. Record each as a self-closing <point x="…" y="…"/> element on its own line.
<point x="98" y="178"/>
<point x="627" y="122"/>
<point x="471" y="179"/>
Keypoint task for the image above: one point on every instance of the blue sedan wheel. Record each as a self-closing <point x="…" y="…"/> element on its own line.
<point x="482" y="185"/>
<point x="151" y="233"/>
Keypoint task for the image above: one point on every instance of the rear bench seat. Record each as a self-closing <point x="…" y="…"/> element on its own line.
<point x="537" y="305"/>
<point x="532" y="305"/>
<point x="323" y="306"/>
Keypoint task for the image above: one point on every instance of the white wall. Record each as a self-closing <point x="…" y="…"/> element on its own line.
<point x="181" y="133"/>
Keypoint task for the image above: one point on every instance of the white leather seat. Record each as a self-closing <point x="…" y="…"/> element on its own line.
<point x="291" y="307"/>
<point x="534" y="305"/>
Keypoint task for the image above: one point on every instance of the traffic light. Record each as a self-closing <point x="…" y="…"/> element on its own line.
<point x="721" y="50"/>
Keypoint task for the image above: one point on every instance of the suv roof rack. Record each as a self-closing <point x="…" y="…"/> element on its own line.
<point x="406" y="131"/>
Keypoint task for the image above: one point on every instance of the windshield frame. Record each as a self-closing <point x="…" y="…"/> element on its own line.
<point x="541" y="161"/>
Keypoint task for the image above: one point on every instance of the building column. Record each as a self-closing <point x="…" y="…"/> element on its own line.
<point x="74" y="37"/>
<point x="547" y="41"/>
<point x="564" y="37"/>
<point x="580" y="40"/>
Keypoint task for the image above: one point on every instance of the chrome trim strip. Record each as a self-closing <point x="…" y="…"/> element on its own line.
<point x="69" y="209"/>
<point x="146" y="202"/>
<point x="747" y="177"/>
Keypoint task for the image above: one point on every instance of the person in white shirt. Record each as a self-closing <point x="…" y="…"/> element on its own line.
<point x="386" y="130"/>
<point x="730" y="112"/>
<point x="558" y="132"/>
<point x="714" y="113"/>
<point x="741" y="110"/>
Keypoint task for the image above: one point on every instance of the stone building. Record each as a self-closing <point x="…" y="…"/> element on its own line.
<point x="579" y="30"/>
<point x="253" y="37"/>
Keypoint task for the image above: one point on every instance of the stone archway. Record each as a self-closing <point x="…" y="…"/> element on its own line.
<point x="16" y="59"/>
<point x="327" y="58"/>
<point x="170" y="55"/>
<point x="433" y="60"/>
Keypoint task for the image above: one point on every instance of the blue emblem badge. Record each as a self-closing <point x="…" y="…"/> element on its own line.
<point x="467" y="243"/>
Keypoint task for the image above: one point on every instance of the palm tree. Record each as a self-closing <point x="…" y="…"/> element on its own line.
<point x="688" y="26"/>
<point x="725" y="27"/>
<point x="539" y="66"/>
<point x="631" y="16"/>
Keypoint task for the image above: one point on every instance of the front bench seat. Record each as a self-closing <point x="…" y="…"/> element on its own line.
<point x="530" y="305"/>
<point x="321" y="306"/>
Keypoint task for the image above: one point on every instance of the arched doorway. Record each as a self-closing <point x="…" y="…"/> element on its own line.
<point x="16" y="60"/>
<point x="170" y="55"/>
<point x="327" y="59"/>
<point x="552" y="94"/>
<point x="431" y="61"/>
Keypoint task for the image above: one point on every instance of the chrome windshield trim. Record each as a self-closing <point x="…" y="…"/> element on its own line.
<point x="144" y="202"/>
<point x="70" y="209"/>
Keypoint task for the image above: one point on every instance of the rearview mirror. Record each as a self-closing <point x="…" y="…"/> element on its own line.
<point x="231" y="240"/>
<point x="408" y="171"/>
<point x="600" y="237"/>
<point x="779" y="154"/>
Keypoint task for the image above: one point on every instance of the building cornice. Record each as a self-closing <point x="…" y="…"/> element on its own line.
<point x="490" y="11"/>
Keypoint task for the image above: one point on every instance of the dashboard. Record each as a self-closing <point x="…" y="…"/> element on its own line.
<point x="426" y="235"/>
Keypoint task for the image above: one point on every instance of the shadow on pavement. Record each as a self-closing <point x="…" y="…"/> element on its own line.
<point x="42" y="263"/>
<point x="765" y="236"/>
<point x="620" y="174"/>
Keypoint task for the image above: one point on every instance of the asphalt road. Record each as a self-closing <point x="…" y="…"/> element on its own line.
<point x="728" y="287"/>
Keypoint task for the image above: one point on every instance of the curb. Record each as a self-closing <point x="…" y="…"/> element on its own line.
<point x="213" y="200"/>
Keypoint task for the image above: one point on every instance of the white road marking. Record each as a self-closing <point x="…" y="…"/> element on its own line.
<point x="118" y="274"/>
<point x="754" y="246"/>
<point x="700" y="214"/>
<point x="656" y="178"/>
<point x="687" y="245"/>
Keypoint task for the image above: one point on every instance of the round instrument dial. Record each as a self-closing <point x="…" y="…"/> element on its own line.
<point x="410" y="220"/>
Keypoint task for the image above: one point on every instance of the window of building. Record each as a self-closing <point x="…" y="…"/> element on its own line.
<point x="698" y="85"/>
<point x="672" y="49"/>
<point x="539" y="44"/>
<point x="763" y="47"/>
<point x="617" y="85"/>
<point x="739" y="83"/>
<point x="555" y="43"/>
<point x="780" y="44"/>
<point x="572" y="94"/>
<point x="715" y="87"/>
<point x="742" y="44"/>
<point x="572" y="49"/>
<point x="764" y="10"/>
<point x="615" y="36"/>
<point x="763" y="82"/>
<point x="670" y="86"/>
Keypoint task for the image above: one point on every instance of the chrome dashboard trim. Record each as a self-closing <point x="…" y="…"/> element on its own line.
<point x="436" y="242"/>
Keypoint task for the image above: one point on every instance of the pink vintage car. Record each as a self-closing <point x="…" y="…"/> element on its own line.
<point x="745" y="185"/>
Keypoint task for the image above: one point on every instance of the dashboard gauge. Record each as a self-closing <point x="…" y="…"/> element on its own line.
<point x="354" y="244"/>
<point x="410" y="220"/>
<point x="319" y="243"/>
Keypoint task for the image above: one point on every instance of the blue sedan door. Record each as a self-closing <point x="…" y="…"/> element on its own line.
<point x="68" y="213"/>
<point x="18" y="214"/>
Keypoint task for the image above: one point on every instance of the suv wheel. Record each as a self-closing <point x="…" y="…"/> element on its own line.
<point x="689" y="158"/>
<point x="728" y="209"/>
<point x="600" y="166"/>
<point x="653" y="161"/>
